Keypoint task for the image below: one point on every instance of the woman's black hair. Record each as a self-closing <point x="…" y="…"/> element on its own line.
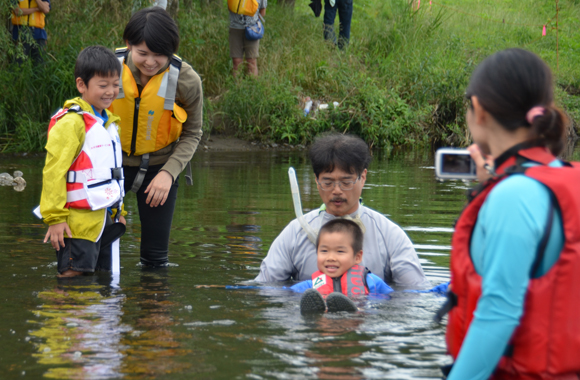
<point x="347" y="152"/>
<point x="96" y="60"/>
<point x="510" y="83"/>
<point x="156" y="27"/>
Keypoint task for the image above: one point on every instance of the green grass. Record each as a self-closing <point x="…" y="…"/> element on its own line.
<point x="400" y="82"/>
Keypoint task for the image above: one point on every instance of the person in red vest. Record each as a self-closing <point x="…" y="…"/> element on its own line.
<point x="339" y="255"/>
<point x="515" y="257"/>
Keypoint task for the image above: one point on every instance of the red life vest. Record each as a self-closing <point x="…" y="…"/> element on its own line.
<point x="546" y="344"/>
<point x="352" y="283"/>
<point x="95" y="178"/>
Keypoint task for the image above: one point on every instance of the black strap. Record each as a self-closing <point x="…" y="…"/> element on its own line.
<point x="446" y="370"/>
<point x="540" y="253"/>
<point x="449" y="304"/>
<point x="336" y="284"/>
<point x="138" y="181"/>
<point x="365" y="274"/>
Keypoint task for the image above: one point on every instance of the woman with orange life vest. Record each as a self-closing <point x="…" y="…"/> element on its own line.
<point x="515" y="259"/>
<point x="31" y="14"/>
<point x="160" y="103"/>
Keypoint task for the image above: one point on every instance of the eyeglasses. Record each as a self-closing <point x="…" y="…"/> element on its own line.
<point x="344" y="185"/>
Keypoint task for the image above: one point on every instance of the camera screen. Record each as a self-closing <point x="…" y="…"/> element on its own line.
<point x="457" y="163"/>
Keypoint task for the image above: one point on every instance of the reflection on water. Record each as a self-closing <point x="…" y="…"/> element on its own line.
<point x="78" y="330"/>
<point x="153" y="345"/>
<point x="157" y="324"/>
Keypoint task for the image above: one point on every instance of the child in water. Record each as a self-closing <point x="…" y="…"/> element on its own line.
<point x="339" y="254"/>
<point x="82" y="176"/>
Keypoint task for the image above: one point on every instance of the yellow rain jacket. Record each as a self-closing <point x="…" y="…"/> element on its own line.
<point x="35" y="19"/>
<point x="64" y="144"/>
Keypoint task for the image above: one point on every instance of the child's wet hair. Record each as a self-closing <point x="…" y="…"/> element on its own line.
<point x="508" y="84"/>
<point x="343" y="226"/>
<point x="156" y="27"/>
<point x="96" y="60"/>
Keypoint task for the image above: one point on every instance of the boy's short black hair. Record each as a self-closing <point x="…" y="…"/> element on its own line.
<point x="343" y="226"/>
<point x="96" y="60"/>
<point x="156" y="27"/>
<point x="335" y="150"/>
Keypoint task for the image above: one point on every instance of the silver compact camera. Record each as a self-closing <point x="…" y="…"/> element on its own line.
<point x="453" y="163"/>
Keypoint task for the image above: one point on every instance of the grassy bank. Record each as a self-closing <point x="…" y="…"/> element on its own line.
<point x="400" y="82"/>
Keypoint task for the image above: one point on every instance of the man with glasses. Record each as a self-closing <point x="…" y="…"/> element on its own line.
<point x="340" y="165"/>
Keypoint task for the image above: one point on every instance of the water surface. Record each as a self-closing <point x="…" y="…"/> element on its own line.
<point x="158" y="324"/>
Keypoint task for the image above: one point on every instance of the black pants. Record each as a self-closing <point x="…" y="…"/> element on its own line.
<point x="35" y="50"/>
<point x="155" y="221"/>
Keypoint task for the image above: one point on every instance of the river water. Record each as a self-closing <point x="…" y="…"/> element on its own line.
<point x="159" y="324"/>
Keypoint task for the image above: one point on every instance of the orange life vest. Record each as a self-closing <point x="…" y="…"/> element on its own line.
<point x="352" y="283"/>
<point x="546" y="344"/>
<point x="35" y="19"/>
<point x="150" y="120"/>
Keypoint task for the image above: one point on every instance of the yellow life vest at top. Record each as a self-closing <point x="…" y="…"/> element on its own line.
<point x="35" y="19"/>
<point x="243" y="7"/>
<point x="151" y="120"/>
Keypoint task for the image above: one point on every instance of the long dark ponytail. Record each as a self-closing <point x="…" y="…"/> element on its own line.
<point x="509" y="84"/>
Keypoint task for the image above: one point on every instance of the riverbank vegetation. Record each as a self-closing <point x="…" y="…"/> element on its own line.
<point x="400" y="82"/>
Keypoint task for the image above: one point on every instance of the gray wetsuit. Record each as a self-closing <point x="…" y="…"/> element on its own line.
<point x="387" y="251"/>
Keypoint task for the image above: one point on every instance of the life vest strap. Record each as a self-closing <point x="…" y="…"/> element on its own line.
<point x="101" y="174"/>
<point x="121" y="54"/>
<point x="138" y="181"/>
<point x="168" y="88"/>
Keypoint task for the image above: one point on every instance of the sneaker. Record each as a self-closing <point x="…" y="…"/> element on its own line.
<point x="339" y="302"/>
<point x="312" y="302"/>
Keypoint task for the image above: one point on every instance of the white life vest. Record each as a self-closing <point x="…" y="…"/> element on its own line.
<point x="95" y="179"/>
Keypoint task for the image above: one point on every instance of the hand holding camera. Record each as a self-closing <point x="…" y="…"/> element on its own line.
<point x="465" y="164"/>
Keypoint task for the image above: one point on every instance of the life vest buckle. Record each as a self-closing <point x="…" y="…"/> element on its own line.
<point x="117" y="174"/>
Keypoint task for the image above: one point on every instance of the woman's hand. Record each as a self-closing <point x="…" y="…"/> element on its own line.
<point x="56" y="235"/>
<point x="482" y="163"/>
<point x="122" y="220"/>
<point x="158" y="189"/>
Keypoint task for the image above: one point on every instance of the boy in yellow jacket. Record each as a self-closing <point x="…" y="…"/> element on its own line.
<point x="83" y="177"/>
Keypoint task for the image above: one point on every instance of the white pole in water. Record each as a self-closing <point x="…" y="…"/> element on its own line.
<point x="312" y="235"/>
<point x="115" y="263"/>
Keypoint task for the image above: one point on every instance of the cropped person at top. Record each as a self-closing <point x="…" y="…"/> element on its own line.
<point x="344" y="8"/>
<point x="515" y="258"/>
<point x="340" y="165"/>
<point x="28" y="22"/>
<point x="241" y="47"/>
<point x="160" y="104"/>
<point x="82" y="175"/>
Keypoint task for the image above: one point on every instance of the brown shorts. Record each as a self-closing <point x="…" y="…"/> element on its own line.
<point x="239" y="45"/>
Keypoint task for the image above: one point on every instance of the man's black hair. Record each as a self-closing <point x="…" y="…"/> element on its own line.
<point x="156" y="27"/>
<point x="343" y="226"/>
<point x="96" y="60"/>
<point x="334" y="150"/>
